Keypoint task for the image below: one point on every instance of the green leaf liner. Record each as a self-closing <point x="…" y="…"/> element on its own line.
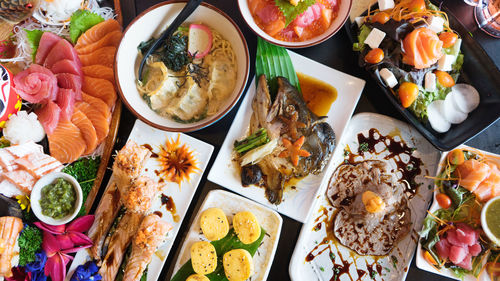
<point x="33" y="37"/>
<point x="290" y="11"/>
<point x="81" y="21"/>
<point x="222" y="246"/>
<point x="274" y="61"/>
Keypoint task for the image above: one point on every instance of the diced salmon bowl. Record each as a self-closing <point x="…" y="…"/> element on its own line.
<point x="295" y="23"/>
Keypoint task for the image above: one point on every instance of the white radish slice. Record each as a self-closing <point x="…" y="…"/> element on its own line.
<point x="466" y="97"/>
<point x="451" y="111"/>
<point x="200" y="40"/>
<point x="436" y="117"/>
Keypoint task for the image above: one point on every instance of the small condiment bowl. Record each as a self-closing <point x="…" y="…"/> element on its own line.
<point x="485" y="226"/>
<point x="36" y="195"/>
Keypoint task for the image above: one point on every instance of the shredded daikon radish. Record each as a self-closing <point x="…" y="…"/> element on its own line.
<point x="58" y="12"/>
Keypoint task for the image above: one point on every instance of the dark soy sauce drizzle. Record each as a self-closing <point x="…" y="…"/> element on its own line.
<point x="150" y="148"/>
<point x="409" y="171"/>
<point x="170" y="206"/>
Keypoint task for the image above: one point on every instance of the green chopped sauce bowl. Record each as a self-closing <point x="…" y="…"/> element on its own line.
<point x="490" y="218"/>
<point x="36" y="196"/>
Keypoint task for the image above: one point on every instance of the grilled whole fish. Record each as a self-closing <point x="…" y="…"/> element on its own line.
<point x="288" y="117"/>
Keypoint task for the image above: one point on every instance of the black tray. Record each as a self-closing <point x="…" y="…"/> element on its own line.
<point x="478" y="70"/>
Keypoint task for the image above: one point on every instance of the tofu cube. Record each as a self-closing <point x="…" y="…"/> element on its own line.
<point x="359" y="21"/>
<point x="436" y="24"/>
<point x="385" y="4"/>
<point x="375" y="38"/>
<point x="388" y="77"/>
<point x="445" y="62"/>
<point x="430" y="82"/>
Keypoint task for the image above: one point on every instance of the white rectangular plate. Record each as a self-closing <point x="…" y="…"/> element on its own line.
<point x="181" y="195"/>
<point x="321" y="268"/>
<point x="231" y="204"/>
<point x="420" y="261"/>
<point x="296" y="203"/>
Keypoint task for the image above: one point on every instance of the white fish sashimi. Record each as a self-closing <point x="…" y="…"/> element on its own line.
<point x="436" y="116"/>
<point x="466" y="97"/>
<point x="452" y="113"/>
<point x="9" y="189"/>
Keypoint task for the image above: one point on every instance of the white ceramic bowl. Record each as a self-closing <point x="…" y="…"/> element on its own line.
<point x="486" y="229"/>
<point x="342" y="16"/>
<point x="36" y="196"/>
<point x="151" y="23"/>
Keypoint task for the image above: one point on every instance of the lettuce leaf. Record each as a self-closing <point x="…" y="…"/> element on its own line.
<point x="33" y="37"/>
<point x="81" y="21"/>
<point x="290" y="11"/>
<point x="363" y="33"/>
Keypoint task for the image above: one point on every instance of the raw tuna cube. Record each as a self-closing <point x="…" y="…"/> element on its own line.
<point x="466" y="234"/>
<point x="457" y="254"/>
<point x="443" y="248"/>
<point x="475" y="249"/>
<point x="451" y="236"/>
<point x="466" y="262"/>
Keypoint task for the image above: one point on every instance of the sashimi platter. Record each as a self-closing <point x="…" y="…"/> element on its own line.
<point x="88" y="193"/>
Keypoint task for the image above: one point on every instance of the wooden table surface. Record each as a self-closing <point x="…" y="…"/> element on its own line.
<point x="336" y="53"/>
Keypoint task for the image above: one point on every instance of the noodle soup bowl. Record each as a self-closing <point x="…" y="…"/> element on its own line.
<point x="151" y="23"/>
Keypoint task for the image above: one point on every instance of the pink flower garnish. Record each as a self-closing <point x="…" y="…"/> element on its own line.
<point x="71" y="235"/>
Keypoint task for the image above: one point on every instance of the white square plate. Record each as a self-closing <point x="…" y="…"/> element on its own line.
<point x="231" y="204"/>
<point x="181" y="195"/>
<point x="382" y="267"/>
<point x="296" y="203"/>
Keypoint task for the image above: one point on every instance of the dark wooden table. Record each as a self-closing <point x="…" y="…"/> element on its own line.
<point x="335" y="52"/>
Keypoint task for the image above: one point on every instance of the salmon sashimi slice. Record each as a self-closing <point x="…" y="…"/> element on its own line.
<point x="22" y="179"/>
<point x="103" y="56"/>
<point x="88" y="131"/>
<point x="67" y="66"/>
<point x="11" y="153"/>
<point x="490" y="186"/>
<point x="96" y="32"/>
<point x="39" y="164"/>
<point x="66" y="143"/>
<point x="10" y="227"/>
<point x="110" y="39"/>
<point x="97" y="104"/>
<point x="471" y="173"/>
<point x="121" y="238"/>
<point x="98" y="120"/>
<point x="61" y="50"/>
<point x="47" y="41"/>
<point x="422" y="48"/>
<point x="151" y="234"/>
<point x="100" y="88"/>
<point x="105" y="214"/>
<point x="100" y="71"/>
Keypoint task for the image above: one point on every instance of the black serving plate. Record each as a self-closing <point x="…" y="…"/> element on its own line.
<point x="478" y="70"/>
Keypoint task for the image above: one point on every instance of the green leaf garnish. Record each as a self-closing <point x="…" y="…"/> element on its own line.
<point x="33" y="37"/>
<point x="290" y="11"/>
<point x="81" y="21"/>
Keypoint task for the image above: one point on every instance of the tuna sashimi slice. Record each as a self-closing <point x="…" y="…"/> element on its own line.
<point x="475" y="249"/>
<point x="62" y="50"/>
<point x="457" y="254"/>
<point x="309" y="16"/>
<point x="49" y="116"/>
<point x="103" y="56"/>
<point x="67" y="66"/>
<point x="98" y="120"/>
<point x="88" y="131"/>
<point x="100" y="88"/>
<point x="100" y="71"/>
<point x="66" y="143"/>
<point x="96" y="32"/>
<point x="466" y="263"/>
<point x="443" y="248"/>
<point x="70" y="81"/>
<point x="98" y="105"/>
<point x="36" y="84"/>
<point x="47" y="42"/>
<point x="66" y="102"/>
<point x="110" y="39"/>
<point x="22" y="179"/>
<point x="471" y="173"/>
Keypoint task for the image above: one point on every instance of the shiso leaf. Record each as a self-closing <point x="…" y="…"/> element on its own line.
<point x="33" y="37"/>
<point x="274" y="61"/>
<point x="290" y="11"/>
<point x="81" y="21"/>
